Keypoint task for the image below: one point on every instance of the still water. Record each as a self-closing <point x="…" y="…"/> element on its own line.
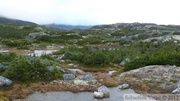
<point x="115" y="95"/>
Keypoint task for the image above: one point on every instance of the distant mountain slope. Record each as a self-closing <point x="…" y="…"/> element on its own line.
<point x="67" y="27"/>
<point x="139" y="26"/>
<point x="9" y="21"/>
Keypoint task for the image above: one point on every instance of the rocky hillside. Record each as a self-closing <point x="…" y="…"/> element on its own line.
<point x="141" y="31"/>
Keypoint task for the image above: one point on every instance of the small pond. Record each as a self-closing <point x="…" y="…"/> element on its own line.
<point x="115" y="95"/>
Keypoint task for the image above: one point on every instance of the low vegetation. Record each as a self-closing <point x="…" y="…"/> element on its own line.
<point x="27" y="68"/>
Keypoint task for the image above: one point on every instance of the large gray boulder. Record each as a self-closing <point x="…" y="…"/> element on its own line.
<point x="68" y="77"/>
<point x="5" y="81"/>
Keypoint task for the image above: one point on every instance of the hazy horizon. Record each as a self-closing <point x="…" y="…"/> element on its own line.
<point x="91" y="12"/>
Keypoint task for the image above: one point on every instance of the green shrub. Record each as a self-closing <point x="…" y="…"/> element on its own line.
<point x="162" y="57"/>
<point x="45" y="56"/>
<point x="86" y="55"/>
<point x="25" y="68"/>
<point x="16" y="43"/>
<point x="7" y="57"/>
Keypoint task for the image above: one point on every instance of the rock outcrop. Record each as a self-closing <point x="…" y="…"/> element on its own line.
<point x="156" y="76"/>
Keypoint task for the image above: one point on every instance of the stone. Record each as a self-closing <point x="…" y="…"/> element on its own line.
<point x="2" y="67"/>
<point x="2" y="83"/>
<point x="61" y="69"/>
<point x="74" y="71"/>
<point x="176" y="91"/>
<point x="68" y="77"/>
<point x="123" y="86"/>
<point x="92" y="82"/>
<point x="104" y="90"/>
<point x="5" y="81"/>
<point x="124" y="62"/>
<point x="87" y="77"/>
<point x="99" y="95"/>
<point x="111" y="72"/>
<point x="32" y="36"/>
<point x="71" y="64"/>
<point x="80" y="82"/>
<point x="50" y="68"/>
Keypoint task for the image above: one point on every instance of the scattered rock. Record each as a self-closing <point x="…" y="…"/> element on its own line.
<point x="98" y="95"/>
<point x="62" y="61"/>
<point x="176" y="91"/>
<point x="125" y="61"/>
<point x="32" y="36"/>
<point x="93" y="82"/>
<point x="68" y="77"/>
<point x="59" y="82"/>
<point x="5" y="81"/>
<point x="87" y="77"/>
<point x="74" y="71"/>
<point x="50" y="68"/>
<point x="71" y="64"/>
<point x="111" y="72"/>
<point x="80" y="82"/>
<point x="104" y="90"/>
<point x="123" y="86"/>
<point x="122" y="63"/>
<point x="61" y="69"/>
<point x="2" y="67"/>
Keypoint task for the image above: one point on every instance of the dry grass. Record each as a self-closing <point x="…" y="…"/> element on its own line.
<point x="20" y="91"/>
<point x="111" y="83"/>
<point x="107" y="80"/>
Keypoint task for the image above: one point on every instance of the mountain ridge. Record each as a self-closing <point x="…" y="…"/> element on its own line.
<point x="11" y="21"/>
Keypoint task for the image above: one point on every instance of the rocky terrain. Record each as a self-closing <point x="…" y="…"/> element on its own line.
<point x="156" y="78"/>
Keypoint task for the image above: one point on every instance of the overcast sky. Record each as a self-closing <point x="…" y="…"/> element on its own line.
<point x="90" y="12"/>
